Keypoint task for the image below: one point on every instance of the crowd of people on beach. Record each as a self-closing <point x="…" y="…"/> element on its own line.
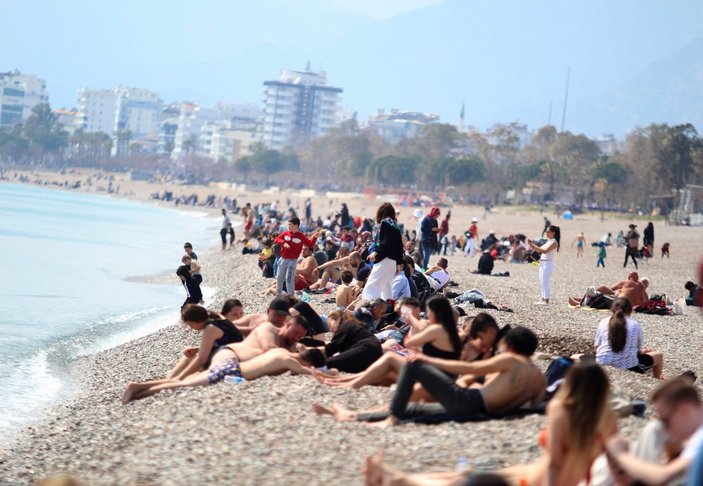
<point x="398" y="322"/>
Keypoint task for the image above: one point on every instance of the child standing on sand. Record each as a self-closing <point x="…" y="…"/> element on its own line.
<point x="580" y="242"/>
<point x="601" y="255"/>
<point x="292" y="242"/>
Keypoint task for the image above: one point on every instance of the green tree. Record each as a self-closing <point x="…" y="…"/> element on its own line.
<point x="467" y="170"/>
<point x="243" y="165"/>
<point x="392" y="169"/>
<point x="45" y="134"/>
<point x="13" y="145"/>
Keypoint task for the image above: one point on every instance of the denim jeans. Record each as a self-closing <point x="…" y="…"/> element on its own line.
<point x="286" y="273"/>
<point x="427" y="250"/>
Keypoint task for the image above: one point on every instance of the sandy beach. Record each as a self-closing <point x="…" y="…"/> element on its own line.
<point x="265" y="432"/>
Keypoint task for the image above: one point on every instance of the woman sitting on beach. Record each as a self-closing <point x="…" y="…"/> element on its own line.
<point x="579" y="421"/>
<point x="620" y="342"/>
<point x="437" y="336"/>
<point x="353" y="347"/>
<point x="217" y="332"/>
<point x="226" y="362"/>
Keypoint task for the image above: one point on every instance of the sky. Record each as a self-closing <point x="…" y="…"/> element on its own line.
<point x="505" y="59"/>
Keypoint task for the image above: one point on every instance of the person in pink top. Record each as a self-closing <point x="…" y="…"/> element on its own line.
<point x="292" y="242"/>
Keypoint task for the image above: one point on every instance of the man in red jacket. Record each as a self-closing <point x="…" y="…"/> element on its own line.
<point x="292" y="242"/>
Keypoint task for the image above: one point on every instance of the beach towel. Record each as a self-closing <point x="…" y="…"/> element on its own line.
<point x="657" y="307"/>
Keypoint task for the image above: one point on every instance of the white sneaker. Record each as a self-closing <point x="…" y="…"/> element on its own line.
<point x="541" y="303"/>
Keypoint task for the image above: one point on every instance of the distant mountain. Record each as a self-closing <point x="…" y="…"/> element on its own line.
<point x="668" y="91"/>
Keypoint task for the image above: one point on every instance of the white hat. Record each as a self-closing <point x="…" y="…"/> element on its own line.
<point x="492" y="232"/>
<point x="474" y="219"/>
<point x="418" y="213"/>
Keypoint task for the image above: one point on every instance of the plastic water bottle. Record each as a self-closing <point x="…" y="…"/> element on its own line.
<point x="461" y="464"/>
<point x="305" y="297"/>
<point x="234" y="380"/>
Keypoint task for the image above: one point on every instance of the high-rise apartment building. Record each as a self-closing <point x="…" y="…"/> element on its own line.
<point x="120" y="110"/>
<point x="299" y="106"/>
<point x="97" y="109"/>
<point x="19" y="93"/>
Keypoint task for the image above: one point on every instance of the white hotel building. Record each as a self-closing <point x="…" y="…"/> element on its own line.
<point x="298" y="107"/>
<point x="19" y="93"/>
<point x="133" y="110"/>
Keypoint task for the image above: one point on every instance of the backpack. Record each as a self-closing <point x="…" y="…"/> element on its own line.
<point x="556" y="371"/>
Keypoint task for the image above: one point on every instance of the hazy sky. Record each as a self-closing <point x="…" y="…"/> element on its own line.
<point x="383" y="9"/>
<point x="631" y="60"/>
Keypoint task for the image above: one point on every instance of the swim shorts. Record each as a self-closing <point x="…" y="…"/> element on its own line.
<point x="225" y="368"/>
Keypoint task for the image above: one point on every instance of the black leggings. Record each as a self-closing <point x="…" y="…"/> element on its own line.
<point x="632" y="253"/>
<point x="452" y="399"/>
<point x="357" y="358"/>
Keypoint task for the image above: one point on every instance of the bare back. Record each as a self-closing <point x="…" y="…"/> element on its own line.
<point x="260" y="340"/>
<point x="633" y="291"/>
<point x="522" y="384"/>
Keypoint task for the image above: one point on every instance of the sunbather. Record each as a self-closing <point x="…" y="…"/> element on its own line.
<point x="229" y="358"/>
<point x="620" y="342"/>
<point x="578" y="421"/>
<point x="438" y="336"/>
<point x="216" y="333"/>
<point x="512" y="382"/>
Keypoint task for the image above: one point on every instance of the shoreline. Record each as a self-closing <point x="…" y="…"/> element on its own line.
<point x="144" y="324"/>
<point x="248" y="433"/>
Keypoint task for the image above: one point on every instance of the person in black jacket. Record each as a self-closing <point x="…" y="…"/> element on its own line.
<point x="352" y="348"/>
<point x="387" y="253"/>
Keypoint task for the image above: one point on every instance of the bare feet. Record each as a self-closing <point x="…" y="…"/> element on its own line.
<point x="384" y="424"/>
<point x="377" y="473"/>
<point x="573" y="301"/>
<point x="129" y="393"/>
<point x="339" y="413"/>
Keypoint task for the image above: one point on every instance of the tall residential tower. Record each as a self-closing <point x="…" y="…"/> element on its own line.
<point x="298" y="107"/>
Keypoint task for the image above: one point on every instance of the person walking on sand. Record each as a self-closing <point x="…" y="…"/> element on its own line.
<point x="224" y="230"/>
<point x="580" y="242"/>
<point x="472" y="238"/>
<point x="601" y="255"/>
<point x="632" y="244"/>
<point x="546" y="261"/>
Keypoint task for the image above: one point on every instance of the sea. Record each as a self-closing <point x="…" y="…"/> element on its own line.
<point x="65" y="287"/>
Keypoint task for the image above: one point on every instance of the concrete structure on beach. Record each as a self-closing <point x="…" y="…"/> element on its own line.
<point x="299" y="106"/>
<point x="19" y="93"/>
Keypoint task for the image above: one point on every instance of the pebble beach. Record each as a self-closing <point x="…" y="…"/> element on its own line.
<point x="265" y="432"/>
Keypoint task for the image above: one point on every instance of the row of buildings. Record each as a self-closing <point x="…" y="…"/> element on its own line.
<point x="297" y="107"/>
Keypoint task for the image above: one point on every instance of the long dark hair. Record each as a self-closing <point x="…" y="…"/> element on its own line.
<point x="444" y="313"/>
<point x="385" y="210"/>
<point x="557" y="234"/>
<point x="617" y="327"/>
<point x="197" y="313"/>
<point x="585" y="393"/>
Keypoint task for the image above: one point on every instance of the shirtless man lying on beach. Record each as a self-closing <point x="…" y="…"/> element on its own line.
<point x="631" y="288"/>
<point x="267" y="350"/>
<point x="512" y="381"/>
<point x="276" y="314"/>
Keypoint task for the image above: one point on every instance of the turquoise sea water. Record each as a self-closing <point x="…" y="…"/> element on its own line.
<point x="63" y="289"/>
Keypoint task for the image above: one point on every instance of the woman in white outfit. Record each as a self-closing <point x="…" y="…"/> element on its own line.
<point x="546" y="260"/>
<point x="388" y="252"/>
